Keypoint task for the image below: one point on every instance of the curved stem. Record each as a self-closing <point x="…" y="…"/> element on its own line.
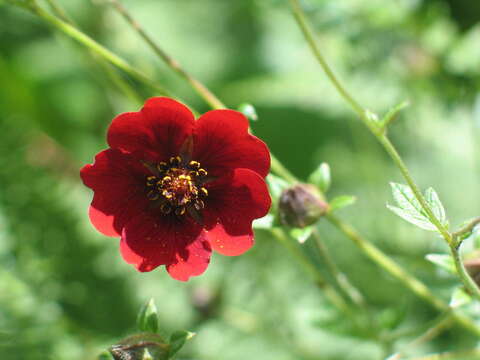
<point x="379" y="133"/>
<point x="330" y="292"/>
<point x="201" y="89"/>
<point x="416" y="286"/>
<point x="97" y="48"/>
<point x="342" y="281"/>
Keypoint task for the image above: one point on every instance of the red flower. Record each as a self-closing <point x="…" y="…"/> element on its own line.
<point x="175" y="188"/>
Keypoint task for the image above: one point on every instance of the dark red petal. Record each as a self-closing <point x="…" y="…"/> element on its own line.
<point x="155" y="133"/>
<point x="226" y="244"/>
<point x="191" y="260"/>
<point x="150" y="241"/>
<point x="118" y="181"/>
<point x="235" y="201"/>
<point x="222" y="143"/>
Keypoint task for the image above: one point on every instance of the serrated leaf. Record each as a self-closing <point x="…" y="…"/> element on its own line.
<point x="442" y="260"/>
<point x="340" y="202"/>
<point x="321" y="177"/>
<point x="436" y="205"/>
<point x="147" y="320"/>
<point x="409" y="208"/>
<point x="265" y="222"/>
<point x="418" y="220"/>
<point x="177" y="340"/>
<point x="459" y="298"/>
<point x="301" y="235"/>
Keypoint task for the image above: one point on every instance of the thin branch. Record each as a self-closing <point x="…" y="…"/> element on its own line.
<point x="201" y="89"/>
<point x="380" y="135"/>
<point x="97" y="48"/>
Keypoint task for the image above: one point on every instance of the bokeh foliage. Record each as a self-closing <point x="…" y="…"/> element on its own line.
<point x="65" y="293"/>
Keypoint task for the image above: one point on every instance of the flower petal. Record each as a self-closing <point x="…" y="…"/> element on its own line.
<point x="222" y="143"/>
<point x="191" y="259"/>
<point x="229" y="245"/>
<point x="235" y="201"/>
<point x="149" y="241"/>
<point x="155" y="133"/>
<point x="118" y="182"/>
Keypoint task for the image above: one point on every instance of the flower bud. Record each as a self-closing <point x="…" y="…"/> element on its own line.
<point x="301" y="205"/>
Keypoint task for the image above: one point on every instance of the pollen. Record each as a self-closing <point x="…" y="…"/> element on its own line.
<point x="177" y="187"/>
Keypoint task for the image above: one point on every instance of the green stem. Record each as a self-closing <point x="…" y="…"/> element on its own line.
<point x="312" y="270"/>
<point x="96" y="47"/>
<point x="379" y="133"/>
<point x="201" y="89"/>
<point x="342" y="281"/>
<point x="107" y="67"/>
<point x="468" y="228"/>
<point x="433" y="331"/>
<point x="416" y="286"/>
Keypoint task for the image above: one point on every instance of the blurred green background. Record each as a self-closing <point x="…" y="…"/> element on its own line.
<point x="65" y="293"/>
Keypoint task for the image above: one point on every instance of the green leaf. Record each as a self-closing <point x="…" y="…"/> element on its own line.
<point x="147" y="319"/>
<point x="442" y="260"/>
<point x="276" y="185"/>
<point x="392" y="114"/>
<point x="420" y="221"/>
<point x="265" y="222"/>
<point x="459" y="298"/>
<point x="436" y="205"/>
<point x="301" y="235"/>
<point x="177" y="340"/>
<point x="249" y="111"/>
<point x="321" y="177"/>
<point x="409" y="207"/>
<point x="340" y="202"/>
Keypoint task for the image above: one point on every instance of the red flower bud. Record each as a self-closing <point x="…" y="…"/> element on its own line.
<point x="301" y="205"/>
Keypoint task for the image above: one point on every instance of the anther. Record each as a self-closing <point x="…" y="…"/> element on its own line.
<point x="162" y="166"/>
<point x="180" y="211"/>
<point x="152" y="195"/>
<point x="194" y="164"/>
<point x="166" y="179"/>
<point x="199" y="204"/>
<point x="175" y="160"/>
<point x="204" y="191"/>
<point x="166" y="209"/>
<point x="202" y="172"/>
<point x="167" y="194"/>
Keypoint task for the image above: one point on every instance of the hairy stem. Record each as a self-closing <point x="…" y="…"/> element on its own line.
<point x="329" y="291"/>
<point x="116" y="79"/>
<point x="416" y="286"/>
<point x="433" y="331"/>
<point x="379" y="133"/>
<point x="201" y="89"/>
<point x="91" y="44"/>
<point x="342" y="281"/>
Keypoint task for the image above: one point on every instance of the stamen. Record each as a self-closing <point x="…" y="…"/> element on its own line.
<point x="175" y="160"/>
<point x="162" y="166"/>
<point x="175" y="186"/>
<point x="180" y="211"/>
<point x="194" y="164"/>
<point x="166" y="209"/>
<point x="153" y="195"/>
<point x="199" y="204"/>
